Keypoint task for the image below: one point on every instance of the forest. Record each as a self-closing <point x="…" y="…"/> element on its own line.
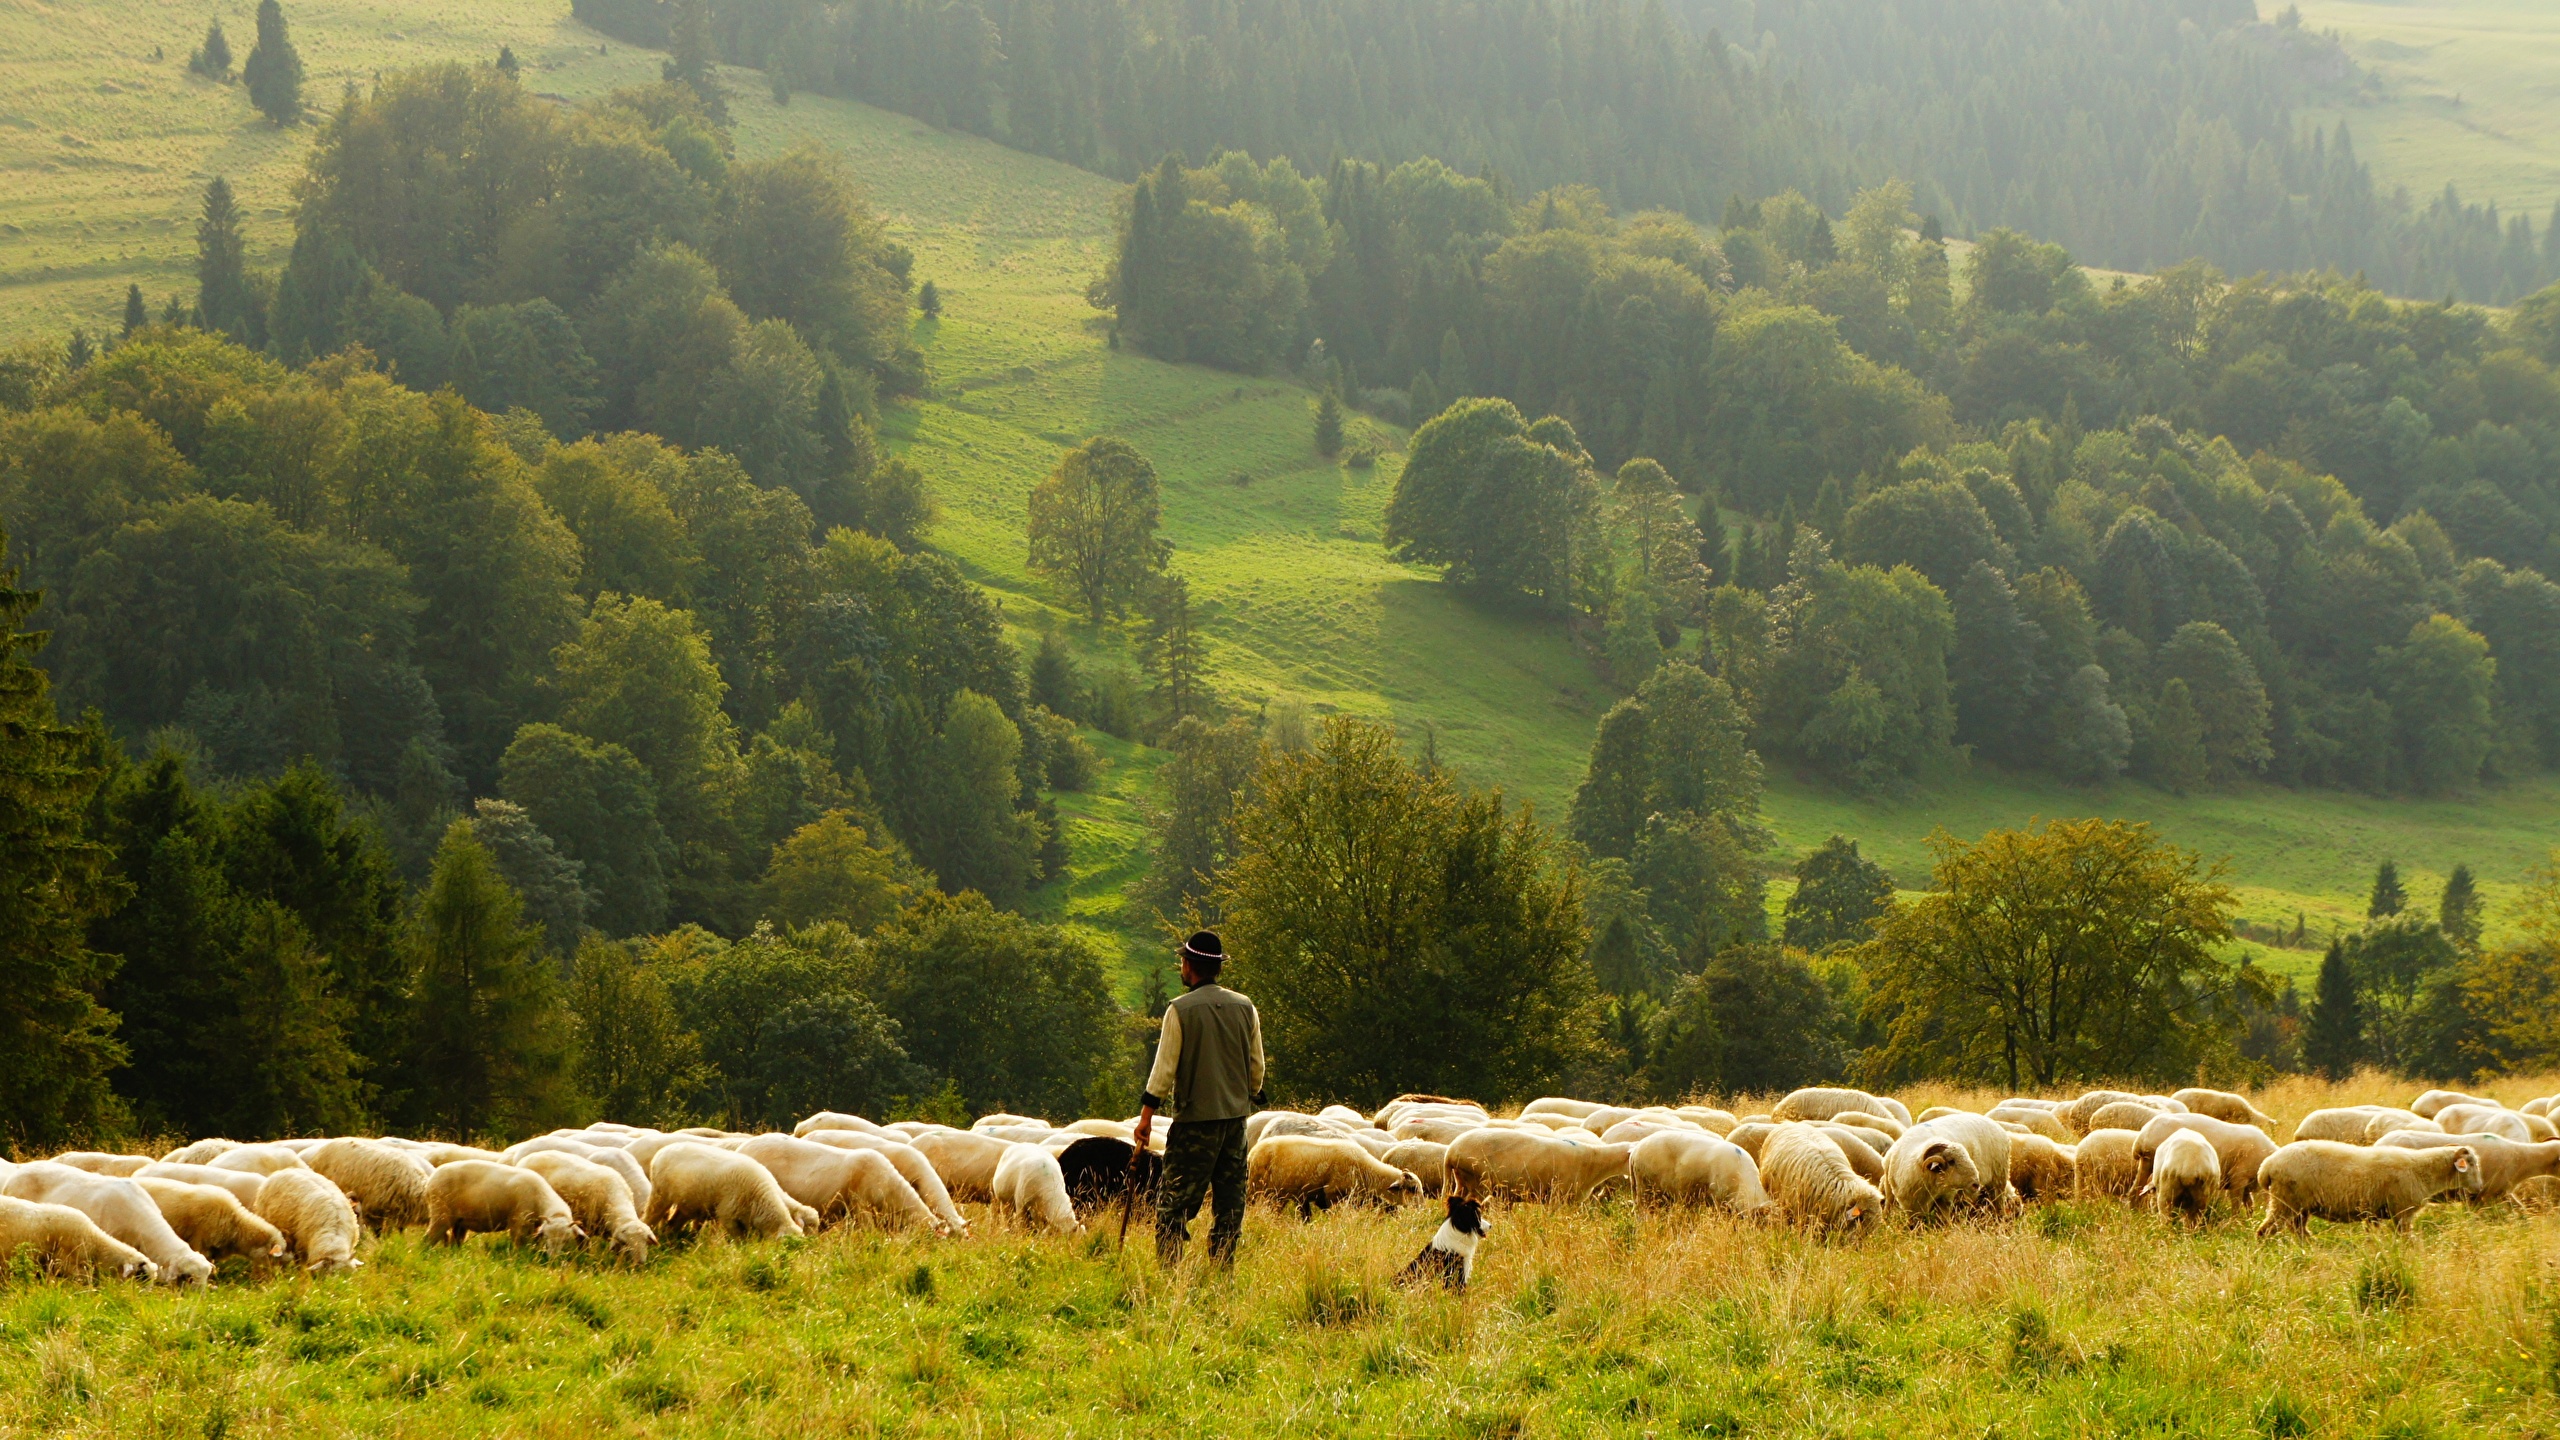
<point x="2139" y="134"/>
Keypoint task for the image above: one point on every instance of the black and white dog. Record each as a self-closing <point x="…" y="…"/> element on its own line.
<point x="1450" y="1258"/>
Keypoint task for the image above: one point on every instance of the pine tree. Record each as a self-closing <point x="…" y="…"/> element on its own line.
<point x="489" y="1054"/>
<point x="213" y="58"/>
<point x="689" y="40"/>
<point x="273" y="70"/>
<point x="929" y="301"/>
<point x="1422" y="398"/>
<point x="222" y="275"/>
<point x="80" y="352"/>
<point x="508" y="65"/>
<point x="1172" y="649"/>
<point x="59" y="1042"/>
<point x="136" y="313"/>
<point x="2388" y="897"/>
<point x="2333" y="1041"/>
<point x="1329" y="425"/>
<point x="2459" y="911"/>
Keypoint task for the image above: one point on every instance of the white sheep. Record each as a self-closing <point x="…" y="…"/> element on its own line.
<point x="1918" y="1186"/>
<point x="2041" y="1168"/>
<point x="2079" y="1112"/>
<point x="213" y="1222"/>
<point x="836" y="1120"/>
<point x="912" y="1166"/>
<point x="965" y="1160"/>
<point x="1002" y="1120"/>
<point x="695" y="1185"/>
<point x="1865" y="1149"/>
<point x="2103" y="1164"/>
<point x="2336" y="1181"/>
<point x="256" y="1159"/>
<point x="1426" y="1160"/>
<point x="200" y="1152"/>
<point x="2426" y="1105"/>
<point x="1810" y="1181"/>
<point x="388" y="1185"/>
<point x="1030" y="1185"/>
<point x="2186" y="1173"/>
<point x="68" y="1242"/>
<point x="1444" y="1129"/>
<point x="1823" y="1102"/>
<point x="98" y="1162"/>
<point x="1317" y="1171"/>
<point x="1342" y="1114"/>
<point x="1884" y="1125"/>
<point x="2124" y="1115"/>
<point x="2504" y="1164"/>
<point x="1532" y="1166"/>
<point x="318" y="1224"/>
<point x="1708" y="1117"/>
<point x="474" y="1197"/>
<point x="121" y="1207"/>
<point x="1559" y="1105"/>
<point x="835" y="1181"/>
<point x="2239" y="1149"/>
<point x="2037" y="1119"/>
<point x="1691" y="1167"/>
<point x="2384" y="1120"/>
<point x="2467" y="1119"/>
<point x="597" y="1198"/>
<point x="441" y="1153"/>
<point x="2224" y="1106"/>
<point x="243" y="1186"/>
<point x="616" y="1158"/>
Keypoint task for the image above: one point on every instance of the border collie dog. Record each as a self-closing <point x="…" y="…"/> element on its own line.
<point x="1450" y="1258"/>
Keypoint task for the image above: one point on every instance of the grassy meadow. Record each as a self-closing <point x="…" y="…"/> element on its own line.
<point x="2071" y="1319"/>
<point x="104" y="150"/>
<point x="2466" y="95"/>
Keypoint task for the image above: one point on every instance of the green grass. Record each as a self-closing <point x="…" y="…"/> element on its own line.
<point x="1295" y="595"/>
<point x="2467" y="95"/>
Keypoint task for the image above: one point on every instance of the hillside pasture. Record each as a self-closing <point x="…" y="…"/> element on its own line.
<point x="2466" y="96"/>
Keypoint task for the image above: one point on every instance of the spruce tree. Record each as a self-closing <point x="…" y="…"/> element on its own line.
<point x="2333" y="1041"/>
<point x="689" y="40"/>
<point x="57" y="1043"/>
<point x="1329" y="425"/>
<point x="136" y="313"/>
<point x="1456" y="383"/>
<point x="80" y="352"/>
<point x="222" y="274"/>
<point x="489" y="1052"/>
<point x="508" y="65"/>
<point x="2388" y="897"/>
<point x="2459" y="911"/>
<point x="213" y="58"/>
<point x="1714" y="551"/>
<point x="1422" y="398"/>
<point x="273" y="70"/>
<point x="929" y="301"/>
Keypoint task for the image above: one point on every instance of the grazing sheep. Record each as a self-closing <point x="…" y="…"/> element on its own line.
<point x="1442" y="1129"/>
<point x="1985" y="1143"/>
<point x="2539" y="1105"/>
<point x="1559" y="1105"/>
<point x="1750" y="1135"/>
<point x="1426" y="1160"/>
<point x="1316" y="1172"/>
<point x="388" y="1186"/>
<point x="68" y="1242"/>
<point x="644" y="1149"/>
<point x="2103" y="1164"/>
<point x="1638" y="1127"/>
<point x="1004" y="1121"/>
<point x="1707" y="1116"/>
<point x="2426" y="1106"/>
<point x="2383" y="1121"/>
<point x="965" y="1161"/>
<point x="1826" y="1102"/>
<point x="243" y="1186"/>
<point x="2335" y="1181"/>
<point x="1531" y="1166"/>
<point x="2541" y="1127"/>
<point x="2035" y="1120"/>
<point x="598" y="1199"/>
<point x="836" y="1120"/>
<point x="839" y="1182"/>
<point x="439" y="1153"/>
<point x="634" y="1172"/>
<point x="913" y="1167"/>
<point x="694" y="1184"/>
<point x="2080" y="1112"/>
<point x="1345" y="1115"/>
<point x="1885" y="1125"/>
<point x="1865" y="1149"/>
<point x="2504" y="1165"/>
<point x="2481" y="1120"/>
<point x="1687" y="1167"/>
<point x="2124" y="1115"/>
<point x="256" y="1159"/>
<point x="2041" y="1168"/>
<point x="213" y="1222"/>
<point x="318" y="1224"/>
<point x="1031" y="1187"/>
<point x="1120" y="1130"/>
<point x="471" y="1197"/>
<point x="2225" y="1106"/>
<point x="1096" y="1169"/>
<point x="1295" y="1124"/>
<point x="200" y="1152"/>
<point x="2035" y="1102"/>
<point x="121" y="1207"/>
<point x="2239" y="1150"/>
<point x="1810" y="1181"/>
<point x="2343" y="1123"/>
<point x="2185" y="1174"/>
<point x="98" y="1162"/>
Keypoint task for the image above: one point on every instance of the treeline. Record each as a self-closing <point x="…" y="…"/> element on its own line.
<point x="2140" y="134"/>
<point x="2309" y="542"/>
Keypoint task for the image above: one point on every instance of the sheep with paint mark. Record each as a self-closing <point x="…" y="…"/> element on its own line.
<point x="2331" y="1180"/>
<point x="314" y="1216"/>
<point x="120" y="1207"/>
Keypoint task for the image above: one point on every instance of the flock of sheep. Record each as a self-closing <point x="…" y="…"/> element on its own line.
<point x="1830" y="1159"/>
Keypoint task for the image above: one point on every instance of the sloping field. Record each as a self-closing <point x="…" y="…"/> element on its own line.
<point x="2471" y="95"/>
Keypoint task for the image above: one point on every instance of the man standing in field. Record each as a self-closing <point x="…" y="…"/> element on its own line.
<point x="1208" y="1077"/>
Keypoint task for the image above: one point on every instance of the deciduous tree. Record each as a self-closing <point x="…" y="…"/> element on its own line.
<point x="1093" y="525"/>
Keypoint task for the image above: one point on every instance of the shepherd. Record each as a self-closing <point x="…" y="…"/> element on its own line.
<point x="1208" y="1078"/>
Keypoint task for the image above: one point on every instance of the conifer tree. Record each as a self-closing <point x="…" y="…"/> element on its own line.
<point x="1714" y="550"/>
<point x="929" y="301"/>
<point x="2333" y="1041"/>
<point x="136" y="313"/>
<point x="689" y="38"/>
<point x="490" y="1051"/>
<point x="1423" y="398"/>
<point x="57" y="1044"/>
<point x="213" y="58"/>
<point x="222" y="275"/>
<point x="2388" y="898"/>
<point x="1328" y="425"/>
<point x="80" y="352"/>
<point x="273" y="70"/>
<point x="508" y="65"/>
<point x="2458" y="912"/>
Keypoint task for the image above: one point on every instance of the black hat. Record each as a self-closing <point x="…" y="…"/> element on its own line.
<point x="1204" y="951"/>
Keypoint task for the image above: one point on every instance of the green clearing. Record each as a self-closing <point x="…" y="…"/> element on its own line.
<point x="1293" y="591"/>
<point x="2467" y="95"/>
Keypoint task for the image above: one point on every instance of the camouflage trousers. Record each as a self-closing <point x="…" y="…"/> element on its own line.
<point x="1202" y="1158"/>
